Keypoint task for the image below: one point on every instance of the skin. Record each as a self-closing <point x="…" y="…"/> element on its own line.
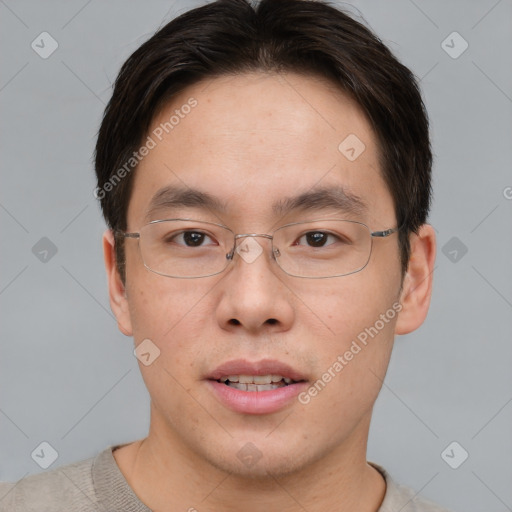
<point x="272" y="135"/>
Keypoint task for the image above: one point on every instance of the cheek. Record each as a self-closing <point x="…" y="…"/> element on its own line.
<point x="345" y="306"/>
<point x="171" y="315"/>
<point x="358" y="320"/>
<point x="352" y="362"/>
<point x="177" y="316"/>
<point x="362" y="340"/>
<point x="160" y="306"/>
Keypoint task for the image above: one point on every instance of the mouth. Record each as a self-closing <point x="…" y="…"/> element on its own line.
<point x="260" y="387"/>
<point x="256" y="383"/>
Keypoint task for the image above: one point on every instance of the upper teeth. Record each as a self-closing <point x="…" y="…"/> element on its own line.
<point x="255" y="379"/>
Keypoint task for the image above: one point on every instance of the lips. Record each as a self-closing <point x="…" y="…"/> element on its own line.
<point x="265" y="367"/>
<point x="261" y="387"/>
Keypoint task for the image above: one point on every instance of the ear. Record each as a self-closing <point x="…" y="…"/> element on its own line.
<point x="417" y="284"/>
<point x="116" y="288"/>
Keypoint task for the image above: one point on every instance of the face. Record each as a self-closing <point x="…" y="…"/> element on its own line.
<point x="251" y="142"/>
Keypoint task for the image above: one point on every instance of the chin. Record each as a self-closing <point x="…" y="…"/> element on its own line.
<point x="262" y="459"/>
<point x="266" y="468"/>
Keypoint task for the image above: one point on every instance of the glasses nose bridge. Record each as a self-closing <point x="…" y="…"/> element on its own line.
<point x="243" y="235"/>
<point x="252" y="235"/>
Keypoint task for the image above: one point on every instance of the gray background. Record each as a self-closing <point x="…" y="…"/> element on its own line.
<point x="68" y="377"/>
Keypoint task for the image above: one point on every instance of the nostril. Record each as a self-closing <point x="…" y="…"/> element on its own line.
<point x="234" y="321"/>
<point x="272" y="321"/>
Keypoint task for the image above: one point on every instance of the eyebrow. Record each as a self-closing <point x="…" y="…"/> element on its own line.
<point x="318" y="198"/>
<point x="172" y="197"/>
<point x="321" y="198"/>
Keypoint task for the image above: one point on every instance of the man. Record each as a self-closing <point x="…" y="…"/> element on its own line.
<point x="265" y="176"/>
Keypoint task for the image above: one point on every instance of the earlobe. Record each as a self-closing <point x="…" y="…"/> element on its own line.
<point x="417" y="284"/>
<point x="117" y="291"/>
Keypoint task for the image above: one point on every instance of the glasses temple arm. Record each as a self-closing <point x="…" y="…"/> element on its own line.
<point x="383" y="234"/>
<point x="126" y="235"/>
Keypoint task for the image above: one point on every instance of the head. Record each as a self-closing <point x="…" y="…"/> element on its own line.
<point x="251" y="106"/>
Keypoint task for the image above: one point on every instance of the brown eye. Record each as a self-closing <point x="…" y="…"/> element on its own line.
<point x="189" y="238"/>
<point x="193" y="238"/>
<point x="317" y="239"/>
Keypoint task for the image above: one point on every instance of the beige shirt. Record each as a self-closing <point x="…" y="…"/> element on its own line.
<point x="97" y="485"/>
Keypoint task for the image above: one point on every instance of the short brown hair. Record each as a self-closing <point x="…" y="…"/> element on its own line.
<point x="228" y="37"/>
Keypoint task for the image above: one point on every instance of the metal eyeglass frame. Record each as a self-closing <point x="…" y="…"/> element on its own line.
<point x="275" y="251"/>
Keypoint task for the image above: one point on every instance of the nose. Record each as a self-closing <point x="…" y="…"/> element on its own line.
<point x="253" y="295"/>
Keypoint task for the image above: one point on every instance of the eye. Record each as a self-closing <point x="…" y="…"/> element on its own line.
<point x="318" y="239"/>
<point x="188" y="238"/>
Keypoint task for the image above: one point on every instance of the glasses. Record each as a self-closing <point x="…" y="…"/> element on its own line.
<point x="316" y="249"/>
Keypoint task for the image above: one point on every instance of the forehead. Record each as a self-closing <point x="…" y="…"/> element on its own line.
<point x="259" y="140"/>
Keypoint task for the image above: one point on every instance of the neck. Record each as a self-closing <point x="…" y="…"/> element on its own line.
<point x="166" y="476"/>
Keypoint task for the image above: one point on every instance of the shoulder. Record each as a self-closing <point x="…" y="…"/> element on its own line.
<point x="403" y="498"/>
<point x="6" y="495"/>
<point x="69" y="487"/>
